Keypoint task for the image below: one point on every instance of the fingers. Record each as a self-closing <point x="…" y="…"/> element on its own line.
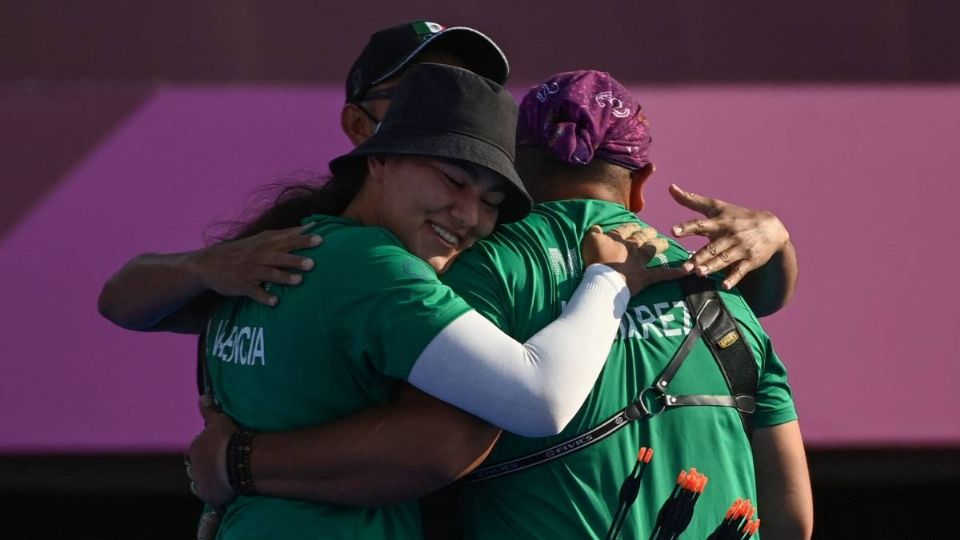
<point x="287" y="261"/>
<point x="711" y="250"/>
<point x="286" y="240"/>
<point x="721" y="261"/>
<point x="653" y="247"/>
<point x="296" y="237"/>
<point x="268" y="277"/>
<point x="277" y="277"/>
<point x="644" y="234"/>
<point x="207" y="400"/>
<point x="663" y="273"/>
<point x="736" y="273"/>
<point x="626" y="230"/>
<point x="699" y="203"/>
<point x="259" y="295"/>
<point x="207" y="408"/>
<point x="702" y="227"/>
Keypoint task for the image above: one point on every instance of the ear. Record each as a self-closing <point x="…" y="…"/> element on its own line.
<point x="637" y="180"/>
<point x="355" y="125"/>
<point x="376" y="168"/>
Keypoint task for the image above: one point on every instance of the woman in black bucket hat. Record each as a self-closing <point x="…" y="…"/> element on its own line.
<point x="437" y="176"/>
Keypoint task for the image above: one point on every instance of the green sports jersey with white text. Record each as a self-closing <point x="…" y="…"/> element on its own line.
<point x="520" y="278"/>
<point x="338" y="343"/>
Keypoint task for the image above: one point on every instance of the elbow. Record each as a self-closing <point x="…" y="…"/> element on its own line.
<point x="768" y="308"/>
<point x="802" y="525"/>
<point x="438" y="474"/>
<point x="109" y="308"/>
<point x="789" y="522"/>
<point x="112" y="310"/>
<point x="465" y="445"/>
<point x="548" y="417"/>
<point x="789" y="530"/>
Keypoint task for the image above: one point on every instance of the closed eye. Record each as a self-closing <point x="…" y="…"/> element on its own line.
<point x="453" y="180"/>
<point x="494" y="199"/>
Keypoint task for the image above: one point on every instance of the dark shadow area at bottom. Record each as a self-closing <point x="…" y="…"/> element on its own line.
<point x="877" y="494"/>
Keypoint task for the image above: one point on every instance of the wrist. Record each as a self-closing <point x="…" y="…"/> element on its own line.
<point x="613" y="279"/>
<point x="192" y="264"/>
<point x="238" y="470"/>
<point x="784" y="233"/>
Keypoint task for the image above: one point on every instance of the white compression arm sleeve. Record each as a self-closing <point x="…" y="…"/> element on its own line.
<point x="532" y="389"/>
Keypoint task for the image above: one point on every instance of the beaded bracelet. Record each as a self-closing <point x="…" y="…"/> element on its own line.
<point x="239" y="474"/>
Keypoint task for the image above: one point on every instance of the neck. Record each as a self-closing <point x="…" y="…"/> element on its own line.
<point x="363" y="207"/>
<point x="565" y="190"/>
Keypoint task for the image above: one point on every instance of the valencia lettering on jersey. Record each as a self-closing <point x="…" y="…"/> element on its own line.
<point x="239" y="344"/>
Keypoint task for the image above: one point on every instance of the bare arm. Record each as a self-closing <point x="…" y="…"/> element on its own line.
<point x="377" y="456"/>
<point x="390" y="453"/>
<point x="771" y="286"/>
<point x="752" y="246"/>
<point x="164" y="291"/>
<point x="154" y="292"/>
<point x="785" y="499"/>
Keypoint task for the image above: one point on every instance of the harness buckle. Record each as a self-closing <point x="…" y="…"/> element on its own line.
<point x="745" y="404"/>
<point x="642" y="408"/>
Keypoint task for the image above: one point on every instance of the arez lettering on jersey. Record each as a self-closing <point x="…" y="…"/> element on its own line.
<point x="575" y="496"/>
<point x="659" y="320"/>
<point x="242" y="345"/>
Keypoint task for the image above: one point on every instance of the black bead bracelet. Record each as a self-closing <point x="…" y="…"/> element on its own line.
<point x="239" y="474"/>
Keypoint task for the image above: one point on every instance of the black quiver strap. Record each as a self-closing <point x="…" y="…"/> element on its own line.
<point x="728" y="347"/>
<point x="712" y="322"/>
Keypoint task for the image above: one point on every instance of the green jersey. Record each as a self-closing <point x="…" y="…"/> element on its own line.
<point x="339" y="342"/>
<point x="520" y="278"/>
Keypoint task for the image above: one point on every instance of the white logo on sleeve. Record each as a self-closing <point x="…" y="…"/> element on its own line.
<point x="239" y="345"/>
<point x="564" y="264"/>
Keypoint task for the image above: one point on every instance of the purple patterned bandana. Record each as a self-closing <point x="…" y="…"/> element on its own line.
<point x="580" y="115"/>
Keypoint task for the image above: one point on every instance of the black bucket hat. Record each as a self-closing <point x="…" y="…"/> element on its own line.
<point x="390" y="50"/>
<point x="448" y="112"/>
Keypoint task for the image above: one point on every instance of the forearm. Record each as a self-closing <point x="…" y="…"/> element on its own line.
<point x="378" y="456"/>
<point x="148" y="291"/>
<point x="771" y="286"/>
<point x="535" y="388"/>
<point x="784" y="495"/>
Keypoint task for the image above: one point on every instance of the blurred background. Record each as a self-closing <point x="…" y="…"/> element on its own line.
<point x="128" y="127"/>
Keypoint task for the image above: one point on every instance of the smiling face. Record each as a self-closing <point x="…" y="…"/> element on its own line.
<point x="437" y="208"/>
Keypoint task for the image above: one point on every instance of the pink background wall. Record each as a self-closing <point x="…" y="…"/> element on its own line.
<point x="864" y="177"/>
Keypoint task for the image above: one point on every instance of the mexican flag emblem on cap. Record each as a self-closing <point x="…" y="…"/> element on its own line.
<point x="426" y="27"/>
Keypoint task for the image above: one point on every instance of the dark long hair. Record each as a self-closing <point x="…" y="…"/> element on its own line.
<point x="287" y="202"/>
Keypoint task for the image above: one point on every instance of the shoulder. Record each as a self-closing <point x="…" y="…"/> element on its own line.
<point x="352" y="250"/>
<point x="748" y="321"/>
<point x="353" y="240"/>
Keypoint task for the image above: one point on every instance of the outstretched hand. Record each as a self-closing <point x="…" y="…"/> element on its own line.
<point x="741" y="239"/>
<point x="240" y="267"/>
<point x="628" y="249"/>
<point x="207" y="455"/>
